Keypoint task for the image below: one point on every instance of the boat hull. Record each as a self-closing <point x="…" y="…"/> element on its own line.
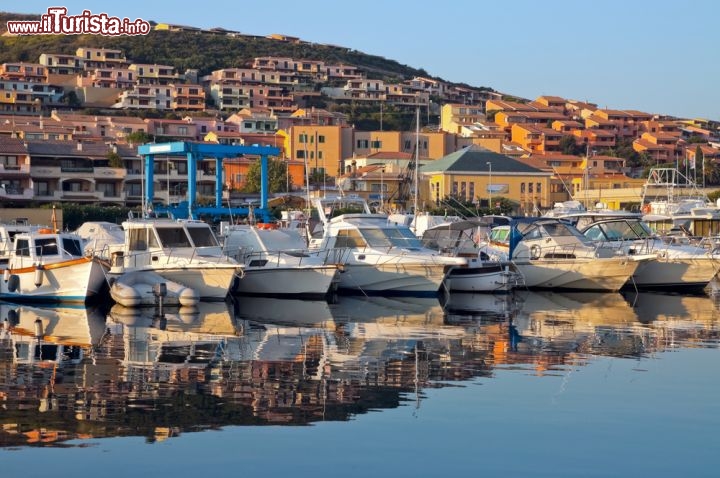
<point x="293" y="281"/>
<point x="73" y="281"/>
<point x="488" y="277"/>
<point x="677" y="273"/>
<point x="600" y="274"/>
<point x="392" y="278"/>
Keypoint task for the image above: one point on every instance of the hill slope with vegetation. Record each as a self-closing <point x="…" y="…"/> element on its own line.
<point x="205" y="51"/>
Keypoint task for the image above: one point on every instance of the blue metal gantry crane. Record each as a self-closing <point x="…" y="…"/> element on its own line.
<point x="196" y="152"/>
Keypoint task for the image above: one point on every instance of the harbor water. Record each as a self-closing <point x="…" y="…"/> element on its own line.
<point x="528" y="384"/>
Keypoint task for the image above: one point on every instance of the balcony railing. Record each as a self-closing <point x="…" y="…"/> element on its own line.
<point x="15" y="193"/>
<point x="46" y="171"/>
<point x="21" y="169"/>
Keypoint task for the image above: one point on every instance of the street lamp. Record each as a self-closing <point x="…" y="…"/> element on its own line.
<point x="382" y="190"/>
<point x="489" y="164"/>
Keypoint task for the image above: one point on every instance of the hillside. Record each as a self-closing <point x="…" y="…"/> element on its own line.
<point x="205" y="51"/>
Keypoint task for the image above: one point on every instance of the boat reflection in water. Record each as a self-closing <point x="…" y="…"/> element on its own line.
<point x="283" y="361"/>
<point x="49" y="337"/>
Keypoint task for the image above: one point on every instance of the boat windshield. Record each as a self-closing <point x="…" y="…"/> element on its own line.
<point x="500" y="235"/>
<point x="202" y="237"/>
<point x="618" y="231"/>
<point x="173" y="237"/>
<point x="391" y="237"/>
<point x="554" y="229"/>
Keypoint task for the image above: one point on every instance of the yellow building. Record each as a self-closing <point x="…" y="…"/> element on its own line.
<point x="479" y="175"/>
<point x="321" y="147"/>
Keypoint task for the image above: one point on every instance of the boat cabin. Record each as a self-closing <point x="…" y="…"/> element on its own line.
<point x="148" y="241"/>
<point x="42" y="246"/>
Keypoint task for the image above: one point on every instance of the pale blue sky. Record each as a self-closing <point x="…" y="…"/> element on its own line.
<point x="655" y="56"/>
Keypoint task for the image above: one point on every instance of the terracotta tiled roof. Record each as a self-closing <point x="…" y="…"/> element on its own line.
<point x="12" y="146"/>
<point x="90" y="149"/>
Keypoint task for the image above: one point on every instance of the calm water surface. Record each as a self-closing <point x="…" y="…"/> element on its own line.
<point x="530" y="384"/>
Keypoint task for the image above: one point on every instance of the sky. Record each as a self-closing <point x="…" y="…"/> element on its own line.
<point x="660" y="57"/>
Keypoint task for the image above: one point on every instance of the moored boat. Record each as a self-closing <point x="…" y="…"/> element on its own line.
<point x="278" y="263"/>
<point x="380" y="257"/>
<point x="49" y="267"/>
<point x="552" y="254"/>
<point x="184" y="252"/>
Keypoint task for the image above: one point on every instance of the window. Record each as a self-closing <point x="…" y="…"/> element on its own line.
<point x="522" y="188"/>
<point x="22" y="247"/>
<point x="377" y="144"/>
<point x="530" y="188"/>
<point x="202" y="237"/>
<point x="349" y="238"/>
<point x="362" y="144"/>
<point x="41" y="188"/>
<point x="138" y="240"/>
<point x="538" y="188"/>
<point x="183" y="130"/>
<point x="321" y="139"/>
<point x="46" y="247"/>
<point x="72" y="247"/>
<point x="173" y="237"/>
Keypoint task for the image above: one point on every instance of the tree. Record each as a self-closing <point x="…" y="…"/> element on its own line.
<point x="568" y="145"/>
<point x="138" y="137"/>
<point x="71" y="99"/>
<point x="277" y="177"/>
<point x="114" y="160"/>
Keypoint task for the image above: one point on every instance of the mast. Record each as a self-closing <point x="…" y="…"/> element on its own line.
<point x="417" y="154"/>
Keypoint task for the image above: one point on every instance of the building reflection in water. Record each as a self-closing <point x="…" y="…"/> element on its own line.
<point x="76" y="373"/>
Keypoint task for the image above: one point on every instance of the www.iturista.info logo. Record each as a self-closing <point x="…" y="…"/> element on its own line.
<point x="58" y="22"/>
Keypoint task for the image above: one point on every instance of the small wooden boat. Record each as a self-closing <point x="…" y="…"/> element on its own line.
<point x="50" y="267"/>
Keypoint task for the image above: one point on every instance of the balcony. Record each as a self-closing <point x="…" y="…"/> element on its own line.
<point x="48" y="196"/>
<point x="14" y="171"/>
<point x="12" y="193"/>
<point x="46" y="172"/>
<point x="110" y="173"/>
<point x="80" y="195"/>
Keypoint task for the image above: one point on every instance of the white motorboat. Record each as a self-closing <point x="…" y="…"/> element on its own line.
<point x="49" y="267"/>
<point x="380" y="257"/>
<point x="552" y="254"/>
<point x="278" y="263"/>
<point x="461" y="238"/>
<point x="185" y="252"/>
<point x="673" y="266"/>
